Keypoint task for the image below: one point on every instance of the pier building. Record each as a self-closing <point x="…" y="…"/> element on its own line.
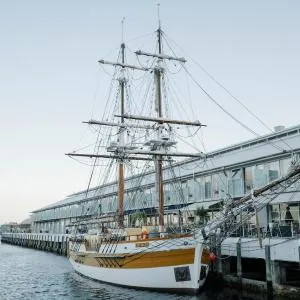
<point x="204" y="182"/>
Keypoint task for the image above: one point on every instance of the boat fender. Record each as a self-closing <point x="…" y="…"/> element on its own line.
<point x="212" y="257"/>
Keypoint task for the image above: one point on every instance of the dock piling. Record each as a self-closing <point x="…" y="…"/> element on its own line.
<point x="269" y="272"/>
<point x="239" y="262"/>
<point x="57" y="243"/>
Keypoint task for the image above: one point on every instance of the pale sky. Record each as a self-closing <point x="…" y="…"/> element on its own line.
<point x="50" y="80"/>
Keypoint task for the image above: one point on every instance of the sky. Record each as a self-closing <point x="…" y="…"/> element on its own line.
<point x="50" y="80"/>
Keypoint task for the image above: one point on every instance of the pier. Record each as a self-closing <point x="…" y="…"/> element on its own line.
<point x="56" y="243"/>
<point x="262" y="256"/>
<point x="272" y="269"/>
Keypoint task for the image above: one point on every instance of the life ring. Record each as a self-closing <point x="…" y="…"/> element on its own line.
<point x="144" y="234"/>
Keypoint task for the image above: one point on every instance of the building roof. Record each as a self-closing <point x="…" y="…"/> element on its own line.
<point x="265" y="139"/>
<point x="27" y="221"/>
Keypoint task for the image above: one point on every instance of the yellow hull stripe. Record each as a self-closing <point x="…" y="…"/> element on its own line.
<point x="141" y="260"/>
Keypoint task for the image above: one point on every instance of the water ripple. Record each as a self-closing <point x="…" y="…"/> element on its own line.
<point x="30" y="274"/>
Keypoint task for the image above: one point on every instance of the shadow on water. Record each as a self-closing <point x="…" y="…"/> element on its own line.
<point x="81" y="286"/>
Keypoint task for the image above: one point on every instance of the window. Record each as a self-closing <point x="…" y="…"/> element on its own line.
<point x="249" y="183"/>
<point x="167" y="194"/>
<point x="236" y="183"/>
<point x="260" y="175"/>
<point x="148" y="197"/>
<point x="273" y="170"/>
<point x="219" y="184"/>
<point x="191" y="186"/>
<point x="207" y="187"/>
<point x="284" y="166"/>
<point x="199" y="189"/>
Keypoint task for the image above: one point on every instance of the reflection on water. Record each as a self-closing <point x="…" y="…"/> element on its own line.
<point x="32" y="274"/>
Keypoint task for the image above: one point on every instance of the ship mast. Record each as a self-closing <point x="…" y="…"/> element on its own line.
<point x="158" y="167"/>
<point x="158" y="147"/>
<point x="121" y="143"/>
<point x="118" y="150"/>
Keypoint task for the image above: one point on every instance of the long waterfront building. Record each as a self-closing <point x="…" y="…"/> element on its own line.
<point x="234" y="171"/>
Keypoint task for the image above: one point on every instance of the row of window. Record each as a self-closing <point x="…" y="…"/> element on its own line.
<point x="235" y="182"/>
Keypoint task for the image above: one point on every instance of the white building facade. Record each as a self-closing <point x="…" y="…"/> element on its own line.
<point x="233" y="171"/>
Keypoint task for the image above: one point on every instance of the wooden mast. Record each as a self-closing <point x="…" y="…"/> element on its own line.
<point x="158" y="157"/>
<point x="159" y="173"/>
<point x="121" y="142"/>
<point x="159" y="147"/>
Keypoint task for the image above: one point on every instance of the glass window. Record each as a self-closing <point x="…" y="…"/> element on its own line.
<point x="110" y="205"/>
<point x="183" y="192"/>
<point x="152" y="193"/>
<point x="139" y="197"/>
<point x="99" y="207"/>
<point x="215" y="186"/>
<point x="284" y="166"/>
<point x="236" y="183"/>
<point x="167" y="194"/>
<point x="146" y="195"/>
<point x="199" y="189"/>
<point x="178" y="192"/>
<point x="260" y="175"/>
<point x="275" y="213"/>
<point x="249" y="182"/>
<point x="115" y="203"/>
<point x="191" y="186"/>
<point x="125" y="202"/>
<point x="219" y="185"/>
<point x="207" y="187"/>
<point x="105" y="203"/>
<point x="273" y="170"/>
<point x="294" y="212"/>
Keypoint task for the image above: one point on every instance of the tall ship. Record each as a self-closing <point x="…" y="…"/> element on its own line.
<point x="147" y="254"/>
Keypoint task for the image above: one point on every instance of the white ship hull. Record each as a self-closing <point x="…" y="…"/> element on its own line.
<point x="165" y="268"/>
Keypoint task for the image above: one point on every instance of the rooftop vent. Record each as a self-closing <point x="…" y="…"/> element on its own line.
<point x="279" y="128"/>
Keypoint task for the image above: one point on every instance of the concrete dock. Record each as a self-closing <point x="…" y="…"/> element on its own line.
<point x="270" y="268"/>
<point x="56" y="243"/>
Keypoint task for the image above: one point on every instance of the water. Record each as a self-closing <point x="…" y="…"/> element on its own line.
<point x="31" y="274"/>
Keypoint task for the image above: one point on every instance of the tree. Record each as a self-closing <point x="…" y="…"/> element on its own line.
<point x="202" y="213"/>
<point x="139" y="216"/>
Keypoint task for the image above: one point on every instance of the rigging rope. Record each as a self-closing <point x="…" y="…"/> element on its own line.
<point x="228" y="113"/>
<point x="225" y="89"/>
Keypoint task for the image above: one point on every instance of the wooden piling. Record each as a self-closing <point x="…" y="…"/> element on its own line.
<point x="219" y="253"/>
<point x="268" y="272"/>
<point x="239" y="262"/>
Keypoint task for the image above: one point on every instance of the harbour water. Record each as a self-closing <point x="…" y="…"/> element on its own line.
<point x="31" y="274"/>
